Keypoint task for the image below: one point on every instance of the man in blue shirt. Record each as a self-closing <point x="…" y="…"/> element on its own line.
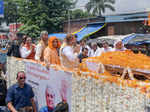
<point x="20" y="95"/>
<point x="83" y="54"/>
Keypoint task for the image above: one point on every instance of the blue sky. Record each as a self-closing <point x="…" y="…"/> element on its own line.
<point x="123" y="6"/>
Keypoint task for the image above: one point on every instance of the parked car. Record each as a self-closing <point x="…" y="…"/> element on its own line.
<point x="110" y="39"/>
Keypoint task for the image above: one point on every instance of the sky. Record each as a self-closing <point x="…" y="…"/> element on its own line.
<point x="123" y="6"/>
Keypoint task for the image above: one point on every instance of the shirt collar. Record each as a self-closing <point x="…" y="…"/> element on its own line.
<point x="17" y="85"/>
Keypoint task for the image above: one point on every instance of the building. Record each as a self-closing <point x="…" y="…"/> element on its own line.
<point x="75" y="25"/>
<point x="13" y="27"/>
<point x="126" y="23"/>
<point x="119" y="24"/>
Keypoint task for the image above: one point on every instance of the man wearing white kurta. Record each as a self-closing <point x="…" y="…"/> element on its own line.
<point x="69" y="52"/>
<point x="119" y="46"/>
<point x="95" y="51"/>
<point x="69" y="57"/>
<point x="106" y="47"/>
<point x="39" y="55"/>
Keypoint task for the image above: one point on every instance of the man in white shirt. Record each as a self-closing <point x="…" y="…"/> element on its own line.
<point x="41" y="46"/>
<point x="95" y="51"/>
<point x="106" y="47"/>
<point x="69" y="53"/>
<point x="119" y="46"/>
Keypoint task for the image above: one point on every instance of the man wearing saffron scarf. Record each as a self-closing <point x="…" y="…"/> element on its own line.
<point x="39" y="55"/>
<point x="28" y="50"/>
<point x="51" y="52"/>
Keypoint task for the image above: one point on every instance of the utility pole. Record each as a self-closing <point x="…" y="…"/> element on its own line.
<point x="16" y="15"/>
<point x="69" y="22"/>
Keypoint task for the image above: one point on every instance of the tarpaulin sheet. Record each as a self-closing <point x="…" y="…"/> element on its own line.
<point x="60" y="36"/>
<point x="137" y="39"/>
<point x="88" y="30"/>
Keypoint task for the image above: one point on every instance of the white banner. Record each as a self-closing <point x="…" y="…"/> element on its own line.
<point x="49" y="86"/>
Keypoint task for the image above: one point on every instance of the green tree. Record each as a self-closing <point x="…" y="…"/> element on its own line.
<point x="42" y="15"/>
<point x="79" y="13"/>
<point x="10" y="11"/>
<point x="97" y="7"/>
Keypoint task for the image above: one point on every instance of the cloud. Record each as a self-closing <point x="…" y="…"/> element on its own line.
<point x="123" y="6"/>
<point x="81" y="4"/>
<point x="126" y="6"/>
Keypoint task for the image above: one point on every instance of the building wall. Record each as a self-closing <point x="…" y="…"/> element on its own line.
<point x="123" y="28"/>
<point x="76" y="25"/>
<point x="116" y="28"/>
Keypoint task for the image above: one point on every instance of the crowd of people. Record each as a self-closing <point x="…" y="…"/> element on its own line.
<point x="50" y="51"/>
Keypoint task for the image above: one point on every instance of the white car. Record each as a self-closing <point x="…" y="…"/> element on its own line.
<point x="110" y="39"/>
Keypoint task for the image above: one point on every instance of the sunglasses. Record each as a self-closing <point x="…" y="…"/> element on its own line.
<point x="22" y="77"/>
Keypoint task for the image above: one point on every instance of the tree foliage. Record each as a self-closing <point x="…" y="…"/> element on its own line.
<point x="79" y="13"/>
<point x="42" y="14"/>
<point x="10" y="11"/>
<point x="97" y="7"/>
